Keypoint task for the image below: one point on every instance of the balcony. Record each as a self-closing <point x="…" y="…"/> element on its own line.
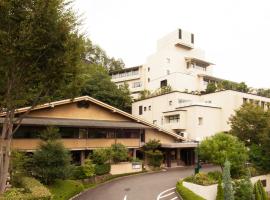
<point x="77" y="144"/>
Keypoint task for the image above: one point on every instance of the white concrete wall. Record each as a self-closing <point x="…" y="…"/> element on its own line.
<point x="207" y="192"/>
<point x="215" y="109"/>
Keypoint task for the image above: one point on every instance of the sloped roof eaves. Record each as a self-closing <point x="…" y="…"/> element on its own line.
<point x="87" y="98"/>
<point x="79" y="123"/>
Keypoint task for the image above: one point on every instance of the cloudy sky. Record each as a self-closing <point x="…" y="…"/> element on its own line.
<point x="235" y="34"/>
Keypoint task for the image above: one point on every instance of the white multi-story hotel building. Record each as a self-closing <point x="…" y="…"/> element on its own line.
<point x="177" y="63"/>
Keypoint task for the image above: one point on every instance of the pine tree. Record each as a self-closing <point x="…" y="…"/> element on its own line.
<point x="228" y="189"/>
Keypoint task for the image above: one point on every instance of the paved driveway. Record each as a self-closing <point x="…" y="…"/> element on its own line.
<point x="153" y="186"/>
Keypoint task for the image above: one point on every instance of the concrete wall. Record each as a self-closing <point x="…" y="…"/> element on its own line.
<point x="207" y="192"/>
<point x="125" y="167"/>
<point x="215" y="109"/>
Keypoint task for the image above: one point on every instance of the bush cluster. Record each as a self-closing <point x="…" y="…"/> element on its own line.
<point x="102" y="169"/>
<point x="155" y="158"/>
<point x="31" y="189"/>
<point x="185" y="193"/>
<point x="204" y="179"/>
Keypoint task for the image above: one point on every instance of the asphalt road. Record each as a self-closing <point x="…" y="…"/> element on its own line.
<point x="153" y="186"/>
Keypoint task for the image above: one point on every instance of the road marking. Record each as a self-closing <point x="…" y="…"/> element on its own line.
<point x="125" y="198"/>
<point x="163" y="195"/>
<point x="174" y="198"/>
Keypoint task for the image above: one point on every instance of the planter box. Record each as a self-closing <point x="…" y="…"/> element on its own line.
<point x="208" y="192"/>
<point x="126" y="167"/>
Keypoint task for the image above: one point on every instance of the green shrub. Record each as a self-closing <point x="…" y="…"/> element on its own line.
<point x="31" y="189"/>
<point x="102" y="169"/>
<point x="119" y="153"/>
<point x="215" y="175"/>
<point x="155" y="158"/>
<point x="220" y="192"/>
<point x="78" y="173"/>
<point x="202" y="179"/>
<point x="36" y="189"/>
<point x="101" y="156"/>
<point x="185" y="193"/>
<point x="65" y="189"/>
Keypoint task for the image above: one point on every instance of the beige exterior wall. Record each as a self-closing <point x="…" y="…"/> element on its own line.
<point x="76" y="144"/>
<point x="71" y="111"/>
<point x="151" y="134"/>
<point x="125" y="167"/>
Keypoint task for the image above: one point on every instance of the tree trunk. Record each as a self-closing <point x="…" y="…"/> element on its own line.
<point x="5" y="149"/>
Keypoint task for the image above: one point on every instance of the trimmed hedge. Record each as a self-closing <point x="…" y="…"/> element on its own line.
<point x="185" y="193"/>
<point x="101" y="169"/>
<point x="31" y="189"/>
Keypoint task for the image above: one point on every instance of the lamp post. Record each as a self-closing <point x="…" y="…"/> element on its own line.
<point x="197" y="166"/>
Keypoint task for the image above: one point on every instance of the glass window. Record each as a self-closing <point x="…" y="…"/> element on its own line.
<point x="97" y="133"/>
<point x="69" y="132"/>
<point x="173" y="119"/>
<point x="144" y="109"/>
<point x="149" y="107"/>
<point x="170" y="103"/>
<point x="163" y="83"/>
<point x="200" y="121"/>
<point x="136" y="84"/>
<point x="140" y="110"/>
<point x="28" y="132"/>
<point x="128" y="133"/>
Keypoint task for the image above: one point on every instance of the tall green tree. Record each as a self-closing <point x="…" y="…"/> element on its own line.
<point x="251" y="124"/>
<point x="227" y="181"/>
<point x="40" y="59"/>
<point x="98" y="84"/>
<point x="97" y="56"/>
<point x="221" y="147"/>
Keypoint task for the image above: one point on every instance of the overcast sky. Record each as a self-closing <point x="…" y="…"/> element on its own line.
<point x="235" y="34"/>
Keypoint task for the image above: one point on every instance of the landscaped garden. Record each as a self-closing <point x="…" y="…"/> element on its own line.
<point x="49" y="174"/>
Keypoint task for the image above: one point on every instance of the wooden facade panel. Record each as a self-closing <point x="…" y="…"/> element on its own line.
<point x="76" y="144"/>
<point x="72" y="111"/>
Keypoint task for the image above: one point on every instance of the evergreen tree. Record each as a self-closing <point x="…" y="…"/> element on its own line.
<point x="228" y="188"/>
<point x="51" y="161"/>
<point x="259" y="191"/>
<point x="243" y="189"/>
<point x="220" y="192"/>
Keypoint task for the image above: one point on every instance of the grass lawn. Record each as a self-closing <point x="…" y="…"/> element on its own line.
<point x="65" y="189"/>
